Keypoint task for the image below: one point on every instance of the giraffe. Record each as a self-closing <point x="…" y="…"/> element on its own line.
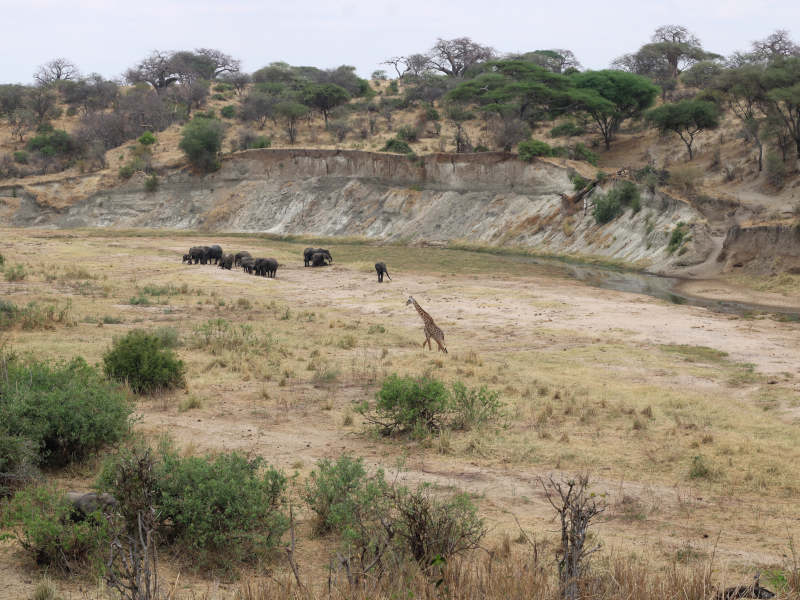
<point x="431" y="330"/>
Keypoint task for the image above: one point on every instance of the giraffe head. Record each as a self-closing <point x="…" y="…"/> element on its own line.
<point x="410" y="301"/>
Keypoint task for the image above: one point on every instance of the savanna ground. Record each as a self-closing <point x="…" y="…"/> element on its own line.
<point x="687" y="420"/>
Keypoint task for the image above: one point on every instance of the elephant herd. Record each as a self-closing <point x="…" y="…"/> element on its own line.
<point x="264" y="267"/>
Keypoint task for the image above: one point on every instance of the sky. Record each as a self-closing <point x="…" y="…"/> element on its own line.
<point x="109" y="36"/>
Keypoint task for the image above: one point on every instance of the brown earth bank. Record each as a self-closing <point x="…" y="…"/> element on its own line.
<point x="627" y="388"/>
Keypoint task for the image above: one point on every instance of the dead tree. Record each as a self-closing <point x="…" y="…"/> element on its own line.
<point x="576" y="507"/>
<point x="133" y="560"/>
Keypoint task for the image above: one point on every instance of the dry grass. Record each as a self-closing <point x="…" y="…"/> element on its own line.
<point x="684" y="439"/>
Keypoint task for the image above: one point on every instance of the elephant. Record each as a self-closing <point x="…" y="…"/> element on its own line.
<point x="308" y="253"/>
<point x="248" y="264"/>
<point x="187" y="258"/>
<point x="318" y="259"/>
<point x="226" y="262"/>
<point x="197" y="254"/>
<point x="85" y="504"/>
<point x="214" y="253"/>
<point x="237" y="258"/>
<point x="271" y="267"/>
<point x="260" y="267"/>
<point x="380" y="267"/>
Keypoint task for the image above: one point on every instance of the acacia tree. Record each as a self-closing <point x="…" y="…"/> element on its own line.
<point x="201" y="141"/>
<point x="454" y="57"/>
<point x="291" y="111"/>
<point x="781" y="102"/>
<point x="687" y="118"/>
<point x="325" y="97"/>
<point x="610" y="97"/>
<point x="42" y="102"/>
<point x="742" y="92"/>
<point x="775" y="46"/>
<point x="58" y="69"/>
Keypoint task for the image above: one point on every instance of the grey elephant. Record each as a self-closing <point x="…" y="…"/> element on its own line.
<point x="85" y="504"/>
<point x="226" y="262"/>
<point x="380" y="267"/>
<point x="318" y="259"/>
<point x="248" y="264"/>
<point x="237" y="258"/>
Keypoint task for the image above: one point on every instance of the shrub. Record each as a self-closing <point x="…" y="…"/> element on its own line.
<point x="606" y="208"/>
<point x="406" y="133"/>
<point x="147" y="139"/>
<point x="222" y="507"/>
<point x="341" y="495"/>
<point x="52" y="143"/>
<point x="578" y="182"/>
<point x="628" y="195"/>
<point x="229" y="111"/>
<point x="66" y="410"/>
<point x="680" y="235"/>
<point x="18" y="460"/>
<point x="409" y="404"/>
<point x="126" y="171"/>
<point x="775" y="169"/>
<point x="42" y="523"/>
<point x="151" y="183"/>
<point x="15" y="273"/>
<point x="568" y="129"/>
<point x="259" y="141"/>
<point x="473" y="407"/>
<point x="398" y="146"/>
<point x="581" y="152"/>
<point x="201" y="141"/>
<point x="431" y="527"/>
<point x="685" y="178"/>
<point x="21" y="157"/>
<point x="141" y="359"/>
<point x="481" y="148"/>
<point x="529" y="149"/>
<point x="33" y="315"/>
<point x="2" y="260"/>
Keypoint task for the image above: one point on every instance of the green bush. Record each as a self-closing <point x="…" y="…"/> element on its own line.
<point x="260" y="141"/>
<point x="431" y="114"/>
<point x="147" y="138"/>
<point x="2" y="260"/>
<point x="609" y="206"/>
<point x="581" y="152"/>
<point x="342" y="495"/>
<point x="141" y="359"/>
<point x="530" y="149"/>
<point x="680" y="235"/>
<point x="578" y="182"/>
<point x="405" y="404"/>
<point x="775" y="169"/>
<point x="473" y="407"/>
<point x="201" y="141"/>
<point x="398" y="146"/>
<point x="151" y="183"/>
<point x="18" y="460"/>
<point x="406" y="133"/>
<point x="66" y="410"/>
<point x="606" y="208"/>
<point x="33" y="315"/>
<point x="40" y="518"/>
<point x="224" y="507"/>
<point x="126" y="171"/>
<point x="223" y="87"/>
<point x="229" y="111"/>
<point x="15" y="273"/>
<point x="52" y="143"/>
<point x="568" y="129"/>
<point x="21" y="157"/>
<point x="481" y="148"/>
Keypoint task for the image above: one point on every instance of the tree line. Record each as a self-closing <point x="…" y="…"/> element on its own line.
<point x="456" y="81"/>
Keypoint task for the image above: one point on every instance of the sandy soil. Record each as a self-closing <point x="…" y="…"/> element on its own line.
<point x="493" y="314"/>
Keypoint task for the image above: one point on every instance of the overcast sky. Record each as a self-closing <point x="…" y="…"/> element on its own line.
<point x="108" y="36"/>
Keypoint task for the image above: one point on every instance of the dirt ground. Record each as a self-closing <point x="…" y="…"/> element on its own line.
<point x="627" y="388"/>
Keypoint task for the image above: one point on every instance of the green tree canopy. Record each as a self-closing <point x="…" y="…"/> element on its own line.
<point x="687" y="118"/>
<point x="610" y="97"/>
<point x="291" y="111"/>
<point x="781" y="100"/>
<point x="325" y="97"/>
<point x="201" y="141"/>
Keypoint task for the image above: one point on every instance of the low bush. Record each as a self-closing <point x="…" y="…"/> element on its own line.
<point x="431" y="527"/>
<point x="775" y="169"/>
<point x="143" y="361"/>
<point x="21" y="157"/>
<point x="680" y="235"/>
<point x="530" y="149"/>
<point x="34" y="315"/>
<point x="147" y="138"/>
<point x="407" y="133"/>
<point x="229" y="111"/>
<point x="581" y="152"/>
<point x="609" y="206"/>
<point x="201" y="141"/>
<point x="18" y="460"/>
<point x="422" y="405"/>
<point x="341" y="495"/>
<point x="40" y="518"/>
<point x="126" y="171"/>
<point x="151" y="183"/>
<point x="568" y="129"/>
<point x="398" y="146"/>
<point x="52" y="143"/>
<point x="578" y="182"/>
<point x="66" y="410"/>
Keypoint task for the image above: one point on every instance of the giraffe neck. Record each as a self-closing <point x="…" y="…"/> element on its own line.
<point x="425" y="316"/>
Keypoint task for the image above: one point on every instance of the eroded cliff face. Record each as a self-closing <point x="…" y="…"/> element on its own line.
<point x="487" y="198"/>
<point x="763" y="249"/>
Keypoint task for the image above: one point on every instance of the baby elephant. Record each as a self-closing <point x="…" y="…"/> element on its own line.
<point x="381" y="269"/>
<point x="85" y="504"/>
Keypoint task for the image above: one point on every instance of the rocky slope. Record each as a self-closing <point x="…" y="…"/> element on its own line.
<point x="488" y="198"/>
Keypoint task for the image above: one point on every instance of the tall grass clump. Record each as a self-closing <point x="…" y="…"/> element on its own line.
<point x="145" y="362"/>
